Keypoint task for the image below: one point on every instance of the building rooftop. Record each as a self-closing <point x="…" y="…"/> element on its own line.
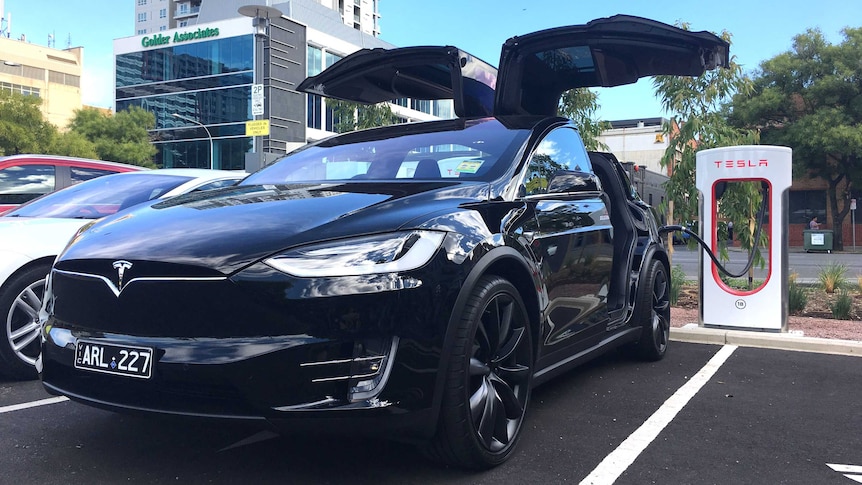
<point x="635" y="123"/>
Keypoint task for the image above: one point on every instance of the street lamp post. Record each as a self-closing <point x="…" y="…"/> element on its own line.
<point x="261" y="15"/>
<point x="209" y="135"/>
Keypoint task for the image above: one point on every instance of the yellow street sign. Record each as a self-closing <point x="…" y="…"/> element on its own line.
<point x="257" y="128"/>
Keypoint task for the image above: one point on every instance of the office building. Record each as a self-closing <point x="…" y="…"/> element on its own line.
<point x="197" y="80"/>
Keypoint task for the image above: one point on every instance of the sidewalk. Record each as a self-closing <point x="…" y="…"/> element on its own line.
<point x="692" y="333"/>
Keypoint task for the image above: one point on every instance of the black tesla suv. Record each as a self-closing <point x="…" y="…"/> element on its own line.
<point x="416" y="280"/>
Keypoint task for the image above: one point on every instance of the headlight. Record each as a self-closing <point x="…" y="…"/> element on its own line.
<point x="384" y="253"/>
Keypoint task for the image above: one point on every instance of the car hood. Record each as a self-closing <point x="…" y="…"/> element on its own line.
<point x="37" y="237"/>
<point x="227" y="230"/>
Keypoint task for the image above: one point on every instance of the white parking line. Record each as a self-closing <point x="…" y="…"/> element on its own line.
<point x="32" y="404"/>
<point x="621" y="458"/>
<point x="853" y="472"/>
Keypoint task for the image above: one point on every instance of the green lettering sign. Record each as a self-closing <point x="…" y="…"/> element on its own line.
<point x="159" y="39"/>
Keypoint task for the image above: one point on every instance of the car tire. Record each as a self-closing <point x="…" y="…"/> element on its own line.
<point x="488" y="376"/>
<point x="19" y="308"/>
<point x="652" y="313"/>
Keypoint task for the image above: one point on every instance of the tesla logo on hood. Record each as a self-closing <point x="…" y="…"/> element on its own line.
<point x="121" y="266"/>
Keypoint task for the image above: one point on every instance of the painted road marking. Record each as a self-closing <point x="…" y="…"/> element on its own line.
<point x="33" y="404"/>
<point x="853" y="472"/>
<point x="625" y="454"/>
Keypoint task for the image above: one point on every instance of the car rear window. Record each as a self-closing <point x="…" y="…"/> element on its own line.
<point x="80" y="174"/>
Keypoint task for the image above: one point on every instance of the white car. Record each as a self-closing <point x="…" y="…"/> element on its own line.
<point x="32" y="235"/>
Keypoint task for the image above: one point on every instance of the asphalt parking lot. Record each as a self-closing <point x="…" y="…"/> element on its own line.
<point x="713" y="414"/>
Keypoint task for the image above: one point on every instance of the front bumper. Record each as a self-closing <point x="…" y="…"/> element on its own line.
<point x="288" y="355"/>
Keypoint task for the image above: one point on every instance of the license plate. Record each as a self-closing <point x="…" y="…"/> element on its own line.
<point x="121" y="360"/>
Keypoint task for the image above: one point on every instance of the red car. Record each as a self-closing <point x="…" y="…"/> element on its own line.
<point x="25" y="177"/>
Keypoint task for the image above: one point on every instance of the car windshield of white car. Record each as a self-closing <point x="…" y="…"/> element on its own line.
<point x="479" y="150"/>
<point x="100" y="197"/>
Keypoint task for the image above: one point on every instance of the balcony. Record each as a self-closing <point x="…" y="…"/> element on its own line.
<point x="183" y="13"/>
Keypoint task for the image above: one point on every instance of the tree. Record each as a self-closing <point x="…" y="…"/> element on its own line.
<point x="351" y="116"/>
<point x="580" y="106"/>
<point x="22" y="128"/>
<point x="810" y="99"/>
<point x="697" y="107"/>
<point x="122" y="137"/>
<point x="72" y="144"/>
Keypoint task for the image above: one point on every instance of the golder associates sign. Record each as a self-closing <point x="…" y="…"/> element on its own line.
<point x="159" y="39"/>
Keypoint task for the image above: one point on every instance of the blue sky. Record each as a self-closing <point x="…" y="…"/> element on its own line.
<point x="761" y="29"/>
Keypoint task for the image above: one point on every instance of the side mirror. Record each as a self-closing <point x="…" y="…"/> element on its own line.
<point x="569" y="181"/>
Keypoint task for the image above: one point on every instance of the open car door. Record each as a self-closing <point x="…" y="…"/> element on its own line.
<point x="535" y="69"/>
<point x="430" y="72"/>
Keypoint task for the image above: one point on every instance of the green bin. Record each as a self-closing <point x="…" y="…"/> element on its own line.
<point x="817" y="240"/>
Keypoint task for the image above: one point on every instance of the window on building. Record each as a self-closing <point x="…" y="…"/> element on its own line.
<point x="443" y="108"/>
<point x="163" y="28"/>
<point x="805" y="204"/>
<point x="183" y="23"/>
<point x="163" y="13"/>
<point x="422" y="105"/>
<point x="331" y="59"/>
<point x="313" y="61"/>
<point x="315" y="111"/>
<point x="19" y="89"/>
<point x="183" y="8"/>
<point x="142" y="16"/>
<point x="142" y="31"/>
<point x="314" y="64"/>
<point x="141" y="3"/>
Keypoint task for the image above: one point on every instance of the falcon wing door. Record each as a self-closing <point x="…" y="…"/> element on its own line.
<point x="535" y="69"/>
<point x="430" y="72"/>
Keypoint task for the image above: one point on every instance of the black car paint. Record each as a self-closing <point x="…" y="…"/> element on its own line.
<point x="236" y="337"/>
<point x="512" y="237"/>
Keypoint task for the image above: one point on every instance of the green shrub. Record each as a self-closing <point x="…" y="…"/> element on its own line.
<point x="677" y="279"/>
<point x="740" y="283"/>
<point x="797" y="297"/>
<point x="832" y="276"/>
<point x="842" y="305"/>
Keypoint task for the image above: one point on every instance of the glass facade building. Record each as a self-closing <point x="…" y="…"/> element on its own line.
<point x="207" y="81"/>
<point x="197" y="81"/>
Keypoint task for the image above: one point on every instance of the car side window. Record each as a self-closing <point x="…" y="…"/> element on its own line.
<point x="22" y="183"/>
<point x="80" y="174"/>
<point x="561" y="149"/>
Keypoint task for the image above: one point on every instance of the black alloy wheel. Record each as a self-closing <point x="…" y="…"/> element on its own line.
<point x="652" y="313"/>
<point x="19" y="307"/>
<point x="488" y="379"/>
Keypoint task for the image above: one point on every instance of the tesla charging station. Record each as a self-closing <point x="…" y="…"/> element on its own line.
<point x="764" y="308"/>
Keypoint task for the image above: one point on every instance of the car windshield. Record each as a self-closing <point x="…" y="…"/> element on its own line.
<point x="100" y="197"/>
<point x="454" y="149"/>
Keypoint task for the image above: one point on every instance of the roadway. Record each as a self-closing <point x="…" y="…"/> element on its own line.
<point x="705" y="414"/>
<point x="806" y="265"/>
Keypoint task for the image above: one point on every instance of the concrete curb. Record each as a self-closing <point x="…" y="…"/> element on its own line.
<point x="780" y="341"/>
